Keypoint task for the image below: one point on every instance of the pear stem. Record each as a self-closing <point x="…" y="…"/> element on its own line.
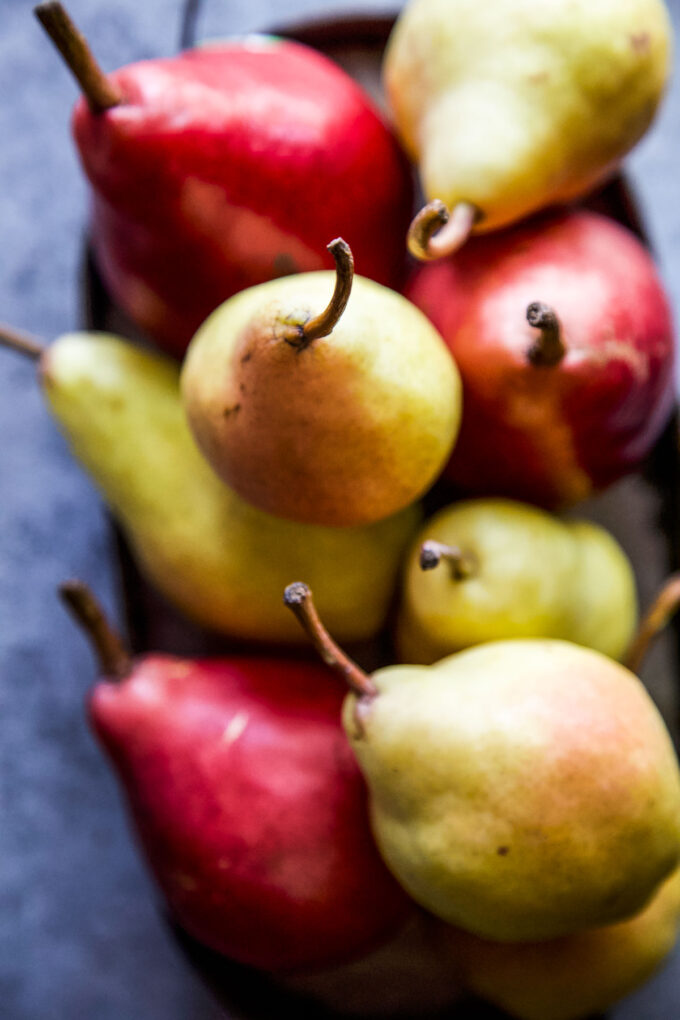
<point x="25" y="344"/>
<point x="301" y="336"/>
<point x="98" y="90"/>
<point x="463" y="563"/>
<point x="434" y="232"/>
<point x="665" y="604"/>
<point x="114" y="659"/>
<point x="548" y="349"/>
<point x="298" y="598"/>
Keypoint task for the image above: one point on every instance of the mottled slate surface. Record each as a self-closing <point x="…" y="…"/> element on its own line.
<point x="79" y="932"/>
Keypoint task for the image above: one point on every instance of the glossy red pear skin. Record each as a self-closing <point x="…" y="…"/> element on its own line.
<point x="553" y="435"/>
<point x="250" y="807"/>
<point x="231" y="165"/>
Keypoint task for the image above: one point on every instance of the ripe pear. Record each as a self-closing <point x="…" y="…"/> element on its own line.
<point x="522" y="790"/>
<point x="338" y="419"/>
<point x="488" y="569"/>
<point x="512" y="105"/>
<point x="563" y="334"/>
<point x="226" y="165"/>
<point x="575" y="976"/>
<point x="217" y="558"/>
<point x="238" y="779"/>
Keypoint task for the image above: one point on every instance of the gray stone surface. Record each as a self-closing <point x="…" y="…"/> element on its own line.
<point x="79" y="932"/>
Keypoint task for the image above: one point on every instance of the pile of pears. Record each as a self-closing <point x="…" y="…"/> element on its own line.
<point x="501" y="808"/>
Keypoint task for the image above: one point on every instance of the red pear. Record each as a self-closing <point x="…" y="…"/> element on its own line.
<point x="227" y="166"/>
<point x="246" y="798"/>
<point x="563" y="336"/>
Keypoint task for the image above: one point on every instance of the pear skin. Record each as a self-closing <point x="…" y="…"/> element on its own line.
<point x="604" y="606"/>
<point x="218" y="559"/>
<point x="344" y="430"/>
<point x="522" y="790"/>
<point x="532" y="575"/>
<point x="514" y="105"/>
<point x="576" y="976"/>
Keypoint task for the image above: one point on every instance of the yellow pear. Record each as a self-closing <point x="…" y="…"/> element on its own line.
<point x="487" y="569"/>
<point x="574" y="977"/>
<point x="512" y="105"/>
<point x="521" y="790"/>
<point x="338" y="417"/>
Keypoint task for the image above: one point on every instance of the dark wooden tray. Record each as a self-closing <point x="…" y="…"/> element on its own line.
<point x="642" y="511"/>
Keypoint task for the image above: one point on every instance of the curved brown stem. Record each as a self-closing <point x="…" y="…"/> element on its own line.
<point x="298" y="598"/>
<point x="114" y="659"/>
<point x="321" y="325"/>
<point x="663" y="607"/>
<point x="434" y="232"/>
<point x="463" y="563"/>
<point x="24" y="343"/>
<point x="100" y="93"/>
<point x="548" y="349"/>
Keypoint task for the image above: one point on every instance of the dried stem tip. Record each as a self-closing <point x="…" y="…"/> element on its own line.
<point x="114" y="660"/>
<point x="21" y="342"/>
<point x="548" y="349"/>
<point x="663" y="607"/>
<point x="99" y="92"/>
<point x="463" y="564"/>
<point x="323" y="324"/>
<point x="434" y="232"/>
<point x="298" y="598"/>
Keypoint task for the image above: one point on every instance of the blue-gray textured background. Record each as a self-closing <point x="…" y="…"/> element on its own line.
<point x="79" y="934"/>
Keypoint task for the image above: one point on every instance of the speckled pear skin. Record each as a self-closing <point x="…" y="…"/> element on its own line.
<point x="522" y="790"/>
<point x="221" y="561"/>
<point x="345" y="431"/>
<point x="576" y="976"/>
<point x="534" y="576"/>
<point x="514" y="105"/>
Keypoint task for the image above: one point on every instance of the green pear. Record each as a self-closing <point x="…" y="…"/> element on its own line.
<point x="488" y="569"/>
<point x="522" y="790"/>
<point x="575" y="976"/>
<point x="338" y="418"/>
<point x="221" y="561"/>
<point x="512" y="105"/>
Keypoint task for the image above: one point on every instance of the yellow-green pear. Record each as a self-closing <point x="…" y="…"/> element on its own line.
<point x="573" y="977"/>
<point x="522" y="790"/>
<point x="217" y="558"/>
<point x="337" y="413"/>
<point x="512" y="105"/>
<point x="487" y="569"/>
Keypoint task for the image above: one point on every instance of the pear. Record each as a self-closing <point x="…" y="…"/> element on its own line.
<point x="512" y="105"/>
<point x="522" y="790"/>
<point x="489" y="569"/>
<point x="338" y="418"/>
<point x="238" y="779"/>
<point x="218" y="559"/>
<point x="575" y="976"/>
<point x="226" y="165"/>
